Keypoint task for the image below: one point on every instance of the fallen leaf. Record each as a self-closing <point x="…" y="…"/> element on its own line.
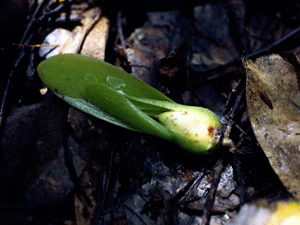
<point x="79" y="34"/>
<point x="95" y="43"/>
<point x="273" y="100"/>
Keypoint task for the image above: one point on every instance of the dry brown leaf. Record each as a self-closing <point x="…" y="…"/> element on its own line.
<point x="79" y="33"/>
<point x="273" y="100"/>
<point x="95" y="42"/>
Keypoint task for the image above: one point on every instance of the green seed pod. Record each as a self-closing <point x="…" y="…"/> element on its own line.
<point x="195" y="128"/>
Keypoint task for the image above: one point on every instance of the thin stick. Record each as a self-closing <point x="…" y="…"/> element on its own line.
<point x="208" y="205"/>
<point x="277" y="46"/>
<point x="17" y="62"/>
<point x="69" y="159"/>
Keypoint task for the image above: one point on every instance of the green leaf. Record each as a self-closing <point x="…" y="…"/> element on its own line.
<point x="100" y="90"/>
<point x="70" y="74"/>
<point x="116" y="105"/>
<point x="153" y="107"/>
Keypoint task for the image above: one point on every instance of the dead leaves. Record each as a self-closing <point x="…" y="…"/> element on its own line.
<point x="91" y="37"/>
<point x="273" y="99"/>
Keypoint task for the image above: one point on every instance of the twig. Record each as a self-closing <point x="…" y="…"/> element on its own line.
<point x="133" y="212"/>
<point x="32" y="20"/>
<point x="47" y="14"/>
<point x="286" y="43"/>
<point x="208" y="205"/>
<point x="9" y="80"/>
<point x="69" y="159"/>
<point x="277" y="45"/>
<point x="24" y="41"/>
<point x="184" y="192"/>
<point x="234" y="149"/>
<point x="110" y="183"/>
<point x="120" y="31"/>
<point x="100" y="204"/>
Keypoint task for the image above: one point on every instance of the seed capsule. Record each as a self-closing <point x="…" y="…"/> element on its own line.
<point x="194" y="128"/>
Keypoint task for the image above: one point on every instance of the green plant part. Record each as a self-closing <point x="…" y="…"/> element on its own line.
<point x="110" y="94"/>
<point x="193" y="128"/>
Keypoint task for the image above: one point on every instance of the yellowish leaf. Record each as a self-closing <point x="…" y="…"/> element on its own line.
<point x="273" y="100"/>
